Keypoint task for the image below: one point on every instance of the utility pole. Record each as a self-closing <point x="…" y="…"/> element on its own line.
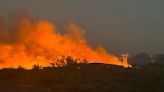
<point x="125" y="58"/>
<point x="153" y="58"/>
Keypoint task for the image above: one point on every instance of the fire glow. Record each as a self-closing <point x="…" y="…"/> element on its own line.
<point x="25" y="41"/>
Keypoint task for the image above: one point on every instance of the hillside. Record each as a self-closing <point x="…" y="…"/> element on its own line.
<point x="84" y="78"/>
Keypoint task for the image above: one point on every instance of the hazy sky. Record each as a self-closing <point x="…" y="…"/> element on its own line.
<point x="131" y="26"/>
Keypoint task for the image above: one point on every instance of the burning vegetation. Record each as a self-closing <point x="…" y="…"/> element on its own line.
<point x="25" y="41"/>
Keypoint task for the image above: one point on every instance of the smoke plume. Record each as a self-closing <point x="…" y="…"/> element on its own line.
<point x="25" y="41"/>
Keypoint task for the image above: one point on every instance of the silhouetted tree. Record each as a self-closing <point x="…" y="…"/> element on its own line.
<point x="60" y="62"/>
<point x="52" y="64"/>
<point x="85" y="61"/>
<point x="71" y="61"/>
<point x="20" y="67"/>
<point x="36" y="67"/>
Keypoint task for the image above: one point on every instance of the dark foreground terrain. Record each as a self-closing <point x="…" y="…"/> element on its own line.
<point x="84" y="78"/>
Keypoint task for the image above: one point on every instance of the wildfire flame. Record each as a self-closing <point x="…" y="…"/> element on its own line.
<point x="25" y="41"/>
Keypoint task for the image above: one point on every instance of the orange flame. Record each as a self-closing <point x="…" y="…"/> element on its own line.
<point x="26" y="42"/>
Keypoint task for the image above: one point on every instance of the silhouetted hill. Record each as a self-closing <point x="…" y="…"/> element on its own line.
<point x="160" y="58"/>
<point x="144" y="58"/>
<point x="140" y="59"/>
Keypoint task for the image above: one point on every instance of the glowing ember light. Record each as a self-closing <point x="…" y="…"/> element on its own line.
<point x="26" y="42"/>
